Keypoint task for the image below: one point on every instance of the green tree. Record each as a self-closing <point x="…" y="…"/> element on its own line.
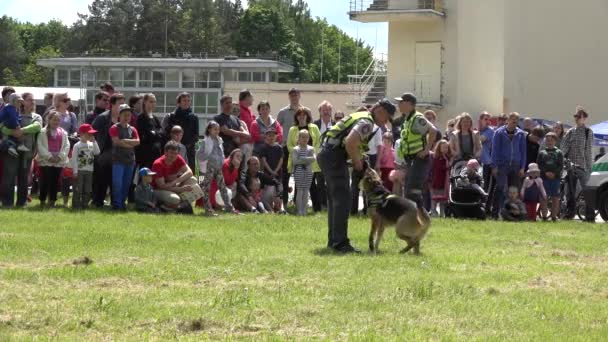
<point x="35" y="75"/>
<point x="12" y="54"/>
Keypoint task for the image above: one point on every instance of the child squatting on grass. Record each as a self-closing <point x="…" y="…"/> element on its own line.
<point x="513" y="209"/>
<point x="533" y="191"/>
<point x="83" y="156"/>
<point x="145" y="198"/>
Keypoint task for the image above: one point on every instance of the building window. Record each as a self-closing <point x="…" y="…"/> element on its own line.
<point x="170" y="103"/>
<point x="199" y="103"/>
<point x="103" y="75"/>
<point x="145" y="78"/>
<point x="160" y="102"/>
<point x="188" y="79"/>
<point x="62" y="78"/>
<point x="75" y="78"/>
<point x="215" y="80"/>
<point x="130" y="78"/>
<point x="158" y="79"/>
<point x="88" y="77"/>
<point x="172" y="79"/>
<point x="212" y="103"/>
<point x="201" y="79"/>
<point x="244" y="76"/>
<point x="116" y="76"/>
<point x="258" y="76"/>
<point x="273" y="77"/>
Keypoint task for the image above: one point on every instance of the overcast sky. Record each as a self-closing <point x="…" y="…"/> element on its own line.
<point x="335" y="11"/>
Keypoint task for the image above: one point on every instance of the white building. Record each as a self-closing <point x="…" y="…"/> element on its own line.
<point x="538" y="57"/>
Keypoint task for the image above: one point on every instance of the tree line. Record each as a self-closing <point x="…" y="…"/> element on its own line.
<point x="282" y="29"/>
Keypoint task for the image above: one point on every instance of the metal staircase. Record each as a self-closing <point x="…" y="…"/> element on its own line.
<point x="369" y="87"/>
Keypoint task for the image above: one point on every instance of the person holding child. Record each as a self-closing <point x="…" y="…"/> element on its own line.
<point x="253" y="188"/>
<point x="533" y="191"/>
<point x="124" y="139"/>
<point x="211" y="160"/>
<point x="551" y="164"/>
<point x="53" y="149"/>
<point x="303" y="156"/>
<point x="81" y="163"/>
<point x="145" y="198"/>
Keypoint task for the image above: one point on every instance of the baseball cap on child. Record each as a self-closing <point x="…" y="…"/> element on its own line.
<point x="86" y="128"/>
<point x="144" y="171"/>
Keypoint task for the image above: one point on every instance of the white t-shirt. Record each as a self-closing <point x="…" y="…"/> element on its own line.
<point x="375" y="141"/>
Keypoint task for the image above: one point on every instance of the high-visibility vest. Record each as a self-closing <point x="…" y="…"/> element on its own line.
<point x="411" y="143"/>
<point x="342" y="128"/>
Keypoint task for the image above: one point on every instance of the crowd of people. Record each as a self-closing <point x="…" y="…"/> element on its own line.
<point x="245" y="161"/>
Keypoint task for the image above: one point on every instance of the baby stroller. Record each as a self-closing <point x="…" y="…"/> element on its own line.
<point x="463" y="202"/>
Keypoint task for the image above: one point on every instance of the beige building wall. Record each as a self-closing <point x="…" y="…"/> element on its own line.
<point x="312" y="94"/>
<point x="556" y="58"/>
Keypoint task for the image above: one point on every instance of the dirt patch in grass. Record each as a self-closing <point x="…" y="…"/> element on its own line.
<point x="84" y="260"/>
<point x="198" y="324"/>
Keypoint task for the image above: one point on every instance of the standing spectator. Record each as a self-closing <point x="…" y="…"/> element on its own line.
<point x="449" y="130"/>
<point x="528" y="125"/>
<point x="533" y="192"/>
<point x="272" y="157"/>
<point x="53" y="148"/>
<point x="264" y="122"/>
<point x="101" y="103"/>
<point x="20" y="168"/>
<point x="211" y="160"/>
<point x="386" y="160"/>
<point x="136" y="104"/>
<point x="286" y="118"/>
<point x="124" y="139"/>
<point x="324" y="123"/>
<point x="600" y="155"/>
<point x="230" y="127"/>
<point x="177" y="134"/>
<point x="559" y="131"/>
<point x="501" y="120"/>
<point x="102" y="171"/>
<point x="533" y="140"/>
<point x="338" y="116"/>
<point x="303" y="120"/>
<point x="431" y="117"/>
<point x="245" y="103"/>
<point x="303" y="158"/>
<point x="486" y="135"/>
<point x="551" y="163"/>
<point x="82" y="162"/>
<point x="508" y="159"/>
<point x="150" y="133"/>
<point x="466" y="143"/>
<point x="577" y="147"/>
<point x="69" y="122"/>
<point x="440" y="177"/>
<point x="48" y="102"/>
<point x="10" y="122"/>
<point x="173" y="180"/>
<point x="184" y="117"/>
<point x="108" y="88"/>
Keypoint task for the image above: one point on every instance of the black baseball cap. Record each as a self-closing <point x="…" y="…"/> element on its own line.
<point x="388" y="106"/>
<point x="407" y="97"/>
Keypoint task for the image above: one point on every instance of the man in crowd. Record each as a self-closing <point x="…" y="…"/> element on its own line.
<point x="577" y="147"/>
<point x="324" y="123"/>
<point x="231" y="131"/>
<point x="343" y="142"/>
<point x="101" y="103"/>
<point x="286" y="118"/>
<point x="245" y="103"/>
<point x="188" y="121"/>
<point x="486" y="134"/>
<point x="508" y="159"/>
<point x="173" y="178"/>
<point x="102" y="170"/>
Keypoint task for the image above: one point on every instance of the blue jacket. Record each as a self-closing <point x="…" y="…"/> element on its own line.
<point x="507" y="152"/>
<point x="486" y="150"/>
<point x="9" y="117"/>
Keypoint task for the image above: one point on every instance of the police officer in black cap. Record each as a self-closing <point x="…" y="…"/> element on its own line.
<point x="347" y="139"/>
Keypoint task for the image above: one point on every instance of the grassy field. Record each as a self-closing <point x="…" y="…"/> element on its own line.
<point x="100" y="275"/>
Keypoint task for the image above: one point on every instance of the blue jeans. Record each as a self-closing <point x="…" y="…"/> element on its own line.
<point x="507" y="175"/>
<point x="122" y="176"/>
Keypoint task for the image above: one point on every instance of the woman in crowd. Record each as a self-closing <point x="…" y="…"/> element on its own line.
<point x="20" y="168"/>
<point x="150" y="133"/>
<point x="465" y="143"/>
<point x="558" y="129"/>
<point x="69" y="123"/>
<point x="303" y="120"/>
<point x="53" y="149"/>
<point x="259" y="127"/>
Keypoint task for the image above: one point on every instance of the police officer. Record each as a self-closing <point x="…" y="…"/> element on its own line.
<point x="414" y="148"/>
<point x="347" y="139"/>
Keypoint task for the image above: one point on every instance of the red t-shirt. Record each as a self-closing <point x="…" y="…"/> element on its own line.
<point x="114" y="132"/>
<point x="163" y="170"/>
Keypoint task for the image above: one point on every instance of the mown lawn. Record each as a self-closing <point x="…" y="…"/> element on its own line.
<point x="100" y="275"/>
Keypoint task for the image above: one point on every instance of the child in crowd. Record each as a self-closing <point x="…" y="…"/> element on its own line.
<point x="386" y="160"/>
<point x="253" y="187"/>
<point x="145" y="198"/>
<point x="53" y="148"/>
<point x="470" y="177"/>
<point x="10" y="122"/>
<point x="440" y="175"/>
<point x="83" y="155"/>
<point x="272" y="161"/>
<point x="397" y="176"/>
<point x="533" y="191"/>
<point x="303" y="157"/>
<point x="514" y="209"/>
<point x="177" y="134"/>
<point x="124" y="139"/>
<point x="551" y="164"/>
<point x="211" y="159"/>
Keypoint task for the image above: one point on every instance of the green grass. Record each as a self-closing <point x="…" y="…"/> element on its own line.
<point x="268" y="277"/>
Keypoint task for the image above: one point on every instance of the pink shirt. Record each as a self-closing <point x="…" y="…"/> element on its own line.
<point x="386" y="157"/>
<point x="55" y="141"/>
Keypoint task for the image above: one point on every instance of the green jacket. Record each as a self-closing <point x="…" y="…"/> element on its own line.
<point x="292" y="141"/>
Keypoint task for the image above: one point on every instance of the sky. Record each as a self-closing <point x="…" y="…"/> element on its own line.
<point x="335" y="11"/>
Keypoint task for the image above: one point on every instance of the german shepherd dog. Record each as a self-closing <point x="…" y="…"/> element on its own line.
<point x="386" y="209"/>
